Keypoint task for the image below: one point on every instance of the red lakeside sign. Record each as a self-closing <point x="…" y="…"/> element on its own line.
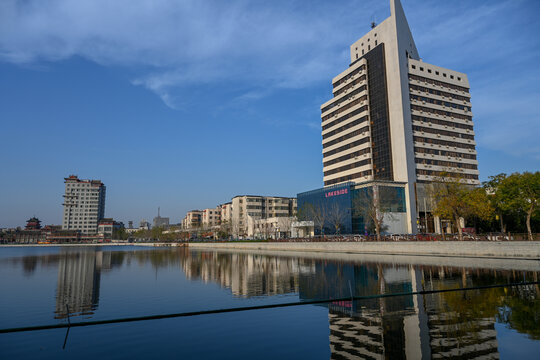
<point x="336" y="193"/>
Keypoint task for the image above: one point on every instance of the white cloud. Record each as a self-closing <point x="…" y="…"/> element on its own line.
<point x="263" y="46"/>
<point x="278" y="44"/>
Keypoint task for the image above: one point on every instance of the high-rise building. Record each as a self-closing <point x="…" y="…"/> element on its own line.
<point x="84" y="205"/>
<point x="396" y="119"/>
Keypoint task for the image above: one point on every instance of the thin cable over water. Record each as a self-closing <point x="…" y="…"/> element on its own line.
<point x="248" y="308"/>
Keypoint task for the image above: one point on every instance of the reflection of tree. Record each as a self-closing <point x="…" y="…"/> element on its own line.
<point x="521" y="311"/>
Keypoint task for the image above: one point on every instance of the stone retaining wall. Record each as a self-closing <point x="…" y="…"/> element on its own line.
<point x="514" y="249"/>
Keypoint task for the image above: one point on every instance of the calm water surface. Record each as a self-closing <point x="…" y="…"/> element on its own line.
<point x="40" y="285"/>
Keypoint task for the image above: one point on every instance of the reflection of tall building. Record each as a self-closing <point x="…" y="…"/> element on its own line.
<point x="457" y="328"/>
<point x="78" y="285"/>
<point x="357" y="336"/>
<point x="454" y="324"/>
<point x="372" y="328"/>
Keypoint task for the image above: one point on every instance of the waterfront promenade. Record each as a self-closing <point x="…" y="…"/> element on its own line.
<point x="481" y="249"/>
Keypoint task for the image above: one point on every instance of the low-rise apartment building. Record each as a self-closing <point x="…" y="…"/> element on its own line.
<point x="192" y="220"/>
<point x="248" y="208"/>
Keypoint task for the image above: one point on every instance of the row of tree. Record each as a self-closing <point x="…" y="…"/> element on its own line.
<point x="503" y="199"/>
<point x="510" y="201"/>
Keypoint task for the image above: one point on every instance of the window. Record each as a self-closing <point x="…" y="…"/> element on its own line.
<point x="451" y="76"/>
<point x="436" y="73"/>
<point x="459" y="79"/>
<point x="375" y="42"/>
<point x="357" y="56"/>
<point x="368" y="47"/>
<point x="421" y="68"/>
<point x="362" y="51"/>
<point x="429" y="71"/>
<point x="413" y="66"/>
<point x="444" y="74"/>
<point x="375" y="34"/>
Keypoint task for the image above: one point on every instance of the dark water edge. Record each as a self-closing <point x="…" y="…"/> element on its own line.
<point x="110" y="282"/>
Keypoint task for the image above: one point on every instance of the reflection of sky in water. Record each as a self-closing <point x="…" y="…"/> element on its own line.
<point x="105" y="283"/>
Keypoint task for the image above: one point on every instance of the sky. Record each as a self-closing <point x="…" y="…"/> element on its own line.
<point x="185" y="104"/>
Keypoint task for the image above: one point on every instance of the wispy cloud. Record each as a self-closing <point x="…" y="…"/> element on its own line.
<point x="274" y="44"/>
<point x="259" y="47"/>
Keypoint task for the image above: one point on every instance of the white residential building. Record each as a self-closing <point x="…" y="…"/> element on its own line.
<point x="84" y="205"/>
<point x="395" y="118"/>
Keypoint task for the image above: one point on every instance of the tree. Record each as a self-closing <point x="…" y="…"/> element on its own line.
<point x="120" y="234"/>
<point x="317" y="214"/>
<point x="454" y="199"/>
<point x="285" y="224"/>
<point x="372" y="207"/>
<point x="225" y="229"/>
<point x="336" y="216"/>
<point x="521" y="193"/>
<point x="156" y="232"/>
<point x="495" y="197"/>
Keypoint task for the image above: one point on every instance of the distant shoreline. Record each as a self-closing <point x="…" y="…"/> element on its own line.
<point x="84" y="245"/>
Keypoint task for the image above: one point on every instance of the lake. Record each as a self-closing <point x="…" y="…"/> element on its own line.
<point x="52" y="285"/>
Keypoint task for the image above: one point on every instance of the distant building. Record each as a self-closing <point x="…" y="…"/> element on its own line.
<point x="33" y="224"/>
<point x="192" y="220"/>
<point x="161" y="221"/>
<point x="211" y="217"/>
<point x="144" y="225"/>
<point x="248" y="208"/>
<point x="226" y="212"/>
<point x="84" y="205"/>
<point x="106" y="227"/>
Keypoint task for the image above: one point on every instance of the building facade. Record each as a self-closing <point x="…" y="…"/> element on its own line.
<point x="395" y="118"/>
<point x="84" y="205"/>
<point x="226" y="213"/>
<point x="160" y="221"/>
<point x="211" y="217"/>
<point x="192" y="220"/>
<point x="246" y="209"/>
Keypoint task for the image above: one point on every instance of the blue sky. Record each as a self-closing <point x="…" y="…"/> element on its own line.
<point x="185" y="104"/>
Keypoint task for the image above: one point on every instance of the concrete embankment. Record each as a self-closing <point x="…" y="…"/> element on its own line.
<point x="478" y="249"/>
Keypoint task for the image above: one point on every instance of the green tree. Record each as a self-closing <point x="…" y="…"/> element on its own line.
<point x="156" y="232"/>
<point x="454" y="199"/>
<point x="495" y="197"/>
<point x="120" y="234"/>
<point x="521" y="193"/>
